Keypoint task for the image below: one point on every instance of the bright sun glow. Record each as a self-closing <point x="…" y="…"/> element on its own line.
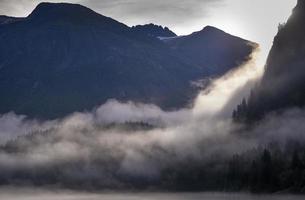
<point x="253" y="20"/>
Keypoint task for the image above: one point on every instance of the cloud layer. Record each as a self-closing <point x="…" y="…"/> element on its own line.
<point x="110" y="146"/>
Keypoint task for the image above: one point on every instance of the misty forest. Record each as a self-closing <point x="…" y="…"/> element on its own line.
<point x="89" y="103"/>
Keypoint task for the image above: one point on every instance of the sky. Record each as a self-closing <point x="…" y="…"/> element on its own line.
<point x="253" y="20"/>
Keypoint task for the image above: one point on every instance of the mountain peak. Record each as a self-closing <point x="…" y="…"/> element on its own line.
<point x="211" y="28"/>
<point x="73" y="15"/>
<point x="208" y="30"/>
<point x="61" y="10"/>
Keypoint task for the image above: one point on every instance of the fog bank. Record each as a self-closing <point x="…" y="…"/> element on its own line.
<point x="111" y="147"/>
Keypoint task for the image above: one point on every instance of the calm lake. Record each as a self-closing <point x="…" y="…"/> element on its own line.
<point x="11" y="194"/>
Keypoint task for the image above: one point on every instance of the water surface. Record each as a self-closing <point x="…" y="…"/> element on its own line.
<point x="13" y="194"/>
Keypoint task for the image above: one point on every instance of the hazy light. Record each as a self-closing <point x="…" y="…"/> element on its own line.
<point x="253" y="20"/>
<point x="215" y="99"/>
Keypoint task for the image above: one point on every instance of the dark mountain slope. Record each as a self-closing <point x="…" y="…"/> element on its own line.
<point x="283" y="83"/>
<point x="65" y="57"/>
<point x="7" y="20"/>
<point x="212" y="49"/>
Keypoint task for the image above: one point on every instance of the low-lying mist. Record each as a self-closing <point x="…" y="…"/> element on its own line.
<point x="131" y="145"/>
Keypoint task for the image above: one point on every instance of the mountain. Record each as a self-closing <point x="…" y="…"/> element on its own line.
<point x="64" y="58"/>
<point x="282" y="85"/>
<point x="153" y="30"/>
<point x="205" y="47"/>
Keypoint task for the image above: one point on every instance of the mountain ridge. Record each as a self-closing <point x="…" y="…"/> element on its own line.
<point x="53" y="65"/>
<point x="154" y="30"/>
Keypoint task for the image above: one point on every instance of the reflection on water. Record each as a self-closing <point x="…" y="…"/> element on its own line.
<point x="12" y="194"/>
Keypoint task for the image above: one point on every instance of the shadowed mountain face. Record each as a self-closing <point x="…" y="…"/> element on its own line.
<point x="283" y="84"/>
<point x="210" y="49"/>
<point x="65" y="57"/>
<point x="7" y="20"/>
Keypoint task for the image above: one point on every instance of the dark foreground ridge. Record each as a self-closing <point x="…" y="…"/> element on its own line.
<point x="283" y="84"/>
